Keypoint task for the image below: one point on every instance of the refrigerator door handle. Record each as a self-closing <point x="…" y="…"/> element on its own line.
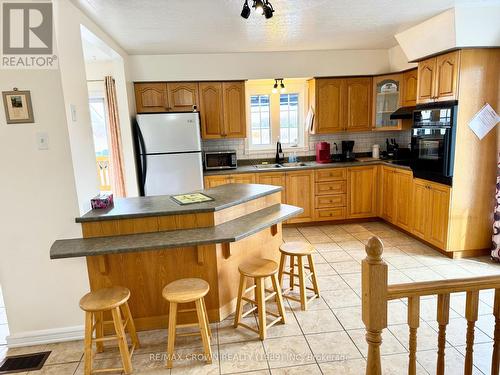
<point x="144" y="160"/>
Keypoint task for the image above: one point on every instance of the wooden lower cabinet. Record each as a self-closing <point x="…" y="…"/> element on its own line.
<point x="330" y="190"/>
<point x="396" y="196"/>
<point x="300" y="192"/>
<point x="277" y="179"/>
<point x="388" y="188"/>
<point x="243" y="178"/>
<point x="362" y="192"/>
<point x="240" y="178"/>
<point x="430" y="212"/>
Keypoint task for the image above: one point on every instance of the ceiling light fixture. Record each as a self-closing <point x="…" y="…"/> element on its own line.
<point x="281" y="86"/>
<point x="263" y="7"/>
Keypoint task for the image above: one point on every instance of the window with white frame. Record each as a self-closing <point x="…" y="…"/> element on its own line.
<point x="272" y="116"/>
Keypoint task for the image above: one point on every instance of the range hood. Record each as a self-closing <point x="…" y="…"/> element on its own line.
<point x="403" y="113"/>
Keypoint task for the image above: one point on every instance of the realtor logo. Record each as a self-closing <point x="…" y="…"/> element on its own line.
<point x="27" y="36"/>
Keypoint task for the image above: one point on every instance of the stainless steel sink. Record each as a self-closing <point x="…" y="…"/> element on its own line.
<point x="267" y="166"/>
<point x="293" y="165"/>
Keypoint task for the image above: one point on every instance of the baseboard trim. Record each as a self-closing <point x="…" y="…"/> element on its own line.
<point x="45" y="336"/>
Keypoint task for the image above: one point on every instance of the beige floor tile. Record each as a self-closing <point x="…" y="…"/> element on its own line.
<point x="482" y="356"/>
<point x="392" y="251"/>
<point x="404" y="261"/>
<point x="427" y="338"/>
<point x="324" y="269"/>
<point x="188" y="362"/>
<point x="396" y="312"/>
<point x="242" y="356"/>
<point x="486" y="323"/>
<point x="64" y="352"/>
<point x="318" y="258"/>
<point x="349" y="367"/>
<point x="337" y="256"/>
<point x="342" y="237"/>
<point x="422" y="274"/>
<point x="487" y="296"/>
<point x="332" y="346"/>
<point x="451" y="271"/>
<point x="346" y="267"/>
<point x="313" y="305"/>
<point x="229" y="334"/>
<point x="365" y="235"/>
<point x="297" y="370"/>
<point x="456" y="332"/>
<point x="327" y="247"/>
<point x="353" y="280"/>
<point x="390" y="345"/>
<point x="317" y="321"/>
<point x="353" y="228"/>
<point x="428" y="309"/>
<point x="334" y="282"/>
<point x="323" y="238"/>
<point x="288" y="351"/>
<point x="349" y="317"/>
<point x="351" y="245"/>
<point x="454" y="361"/>
<point x="289" y="238"/>
<point x="458" y="302"/>
<point x="57" y="369"/>
<point x="341" y="298"/>
<point x="398" y="277"/>
<point x="433" y="260"/>
<point x="397" y="364"/>
<point x="290" y="328"/>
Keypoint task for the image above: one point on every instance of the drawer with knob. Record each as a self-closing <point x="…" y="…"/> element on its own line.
<point x="330" y="214"/>
<point x="330" y="187"/>
<point x="330" y="174"/>
<point x="330" y="201"/>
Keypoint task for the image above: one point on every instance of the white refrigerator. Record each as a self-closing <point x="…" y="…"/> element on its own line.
<point x="168" y="147"/>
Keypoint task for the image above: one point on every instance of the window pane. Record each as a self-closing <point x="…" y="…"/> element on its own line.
<point x="289" y="117"/>
<point x="98" y="121"/>
<point x="260" y="118"/>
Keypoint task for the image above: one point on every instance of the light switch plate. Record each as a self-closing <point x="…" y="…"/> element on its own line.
<point x="42" y="140"/>
<point x="72" y="108"/>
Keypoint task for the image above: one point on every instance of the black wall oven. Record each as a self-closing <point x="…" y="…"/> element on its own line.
<point x="433" y="141"/>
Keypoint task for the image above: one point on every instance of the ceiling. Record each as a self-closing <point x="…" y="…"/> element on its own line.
<point x="215" y="26"/>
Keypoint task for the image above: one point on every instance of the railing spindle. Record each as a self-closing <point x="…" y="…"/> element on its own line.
<point x="443" y="318"/>
<point x="374" y="302"/>
<point x="414" y="323"/>
<point x="471" y="313"/>
<point x="495" y="360"/>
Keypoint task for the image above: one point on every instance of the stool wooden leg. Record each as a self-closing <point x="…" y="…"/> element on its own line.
<point x="99" y="331"/>
<point x="172" y="322"/>
<point x="302" y="284"/>
<point x="122" y="340"/>
<point x="292" y="272"/>
<point x="206" y="317"/>
<point x="204" y="330"/>
<point x="88" y="343"/>
<point x="261" y="303"/>
<point x="281" y="269"/>
<point x="314" y="280"/>
<point x="239" y="301"/>
<point x="131" y="325"/>
<point x="279" y="297"/>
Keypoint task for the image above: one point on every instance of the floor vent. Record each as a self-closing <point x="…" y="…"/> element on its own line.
<point x="26" y="362"/>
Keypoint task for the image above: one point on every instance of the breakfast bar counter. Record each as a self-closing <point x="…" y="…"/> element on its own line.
<point x="147" y="242"/>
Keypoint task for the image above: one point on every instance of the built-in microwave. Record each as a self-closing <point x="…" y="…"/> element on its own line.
<point x="220" y="160"/>
<point x="433" y="141"/>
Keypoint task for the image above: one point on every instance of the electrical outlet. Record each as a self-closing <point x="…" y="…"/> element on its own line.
<point x="42" y="140"/>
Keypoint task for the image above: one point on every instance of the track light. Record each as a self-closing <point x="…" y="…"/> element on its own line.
<point x="245" y="12"/>
<point x="281" y="86"/>
<point x="263" y="7"/>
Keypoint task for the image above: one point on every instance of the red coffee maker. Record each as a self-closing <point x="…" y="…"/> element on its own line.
<point x="323" y="152"/>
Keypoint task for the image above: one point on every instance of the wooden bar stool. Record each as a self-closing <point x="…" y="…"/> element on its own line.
<point x="259" y="270"/>
<point x="95" y="304"/>
<point x="185" y="291"/>
<point x="299" y="250"/>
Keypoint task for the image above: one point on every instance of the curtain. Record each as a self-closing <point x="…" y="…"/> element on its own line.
<point x="115" y="139"/>
<point x="495" y="252"/>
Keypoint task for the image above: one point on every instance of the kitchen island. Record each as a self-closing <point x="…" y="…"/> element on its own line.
<point x="144" y="243"/>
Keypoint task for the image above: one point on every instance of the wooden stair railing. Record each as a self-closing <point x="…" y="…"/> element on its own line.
<point x="375" y="296"/>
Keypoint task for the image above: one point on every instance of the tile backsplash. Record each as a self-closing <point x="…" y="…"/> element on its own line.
<point x="363" y="143"/>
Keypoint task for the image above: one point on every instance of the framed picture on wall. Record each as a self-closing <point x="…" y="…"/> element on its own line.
<point x="18" y="109"/>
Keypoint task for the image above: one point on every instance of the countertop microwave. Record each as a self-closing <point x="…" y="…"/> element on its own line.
<point x="217" y="160"/>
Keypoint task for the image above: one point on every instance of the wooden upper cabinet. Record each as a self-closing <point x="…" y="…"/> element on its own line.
<point x="426" y="80"/>
<point x="362" y="192"/>
<point x="182" y="96"/>
<point x="151" y="97"/>
<point x="438" y="78"/>
<point x="329" y="112"/>
<point x="211" y="109"/>
<point x="447" y="76"/>
<point x="358" y="104"/>
<point x="410" y="81"/>
<point x="233" y="102"/>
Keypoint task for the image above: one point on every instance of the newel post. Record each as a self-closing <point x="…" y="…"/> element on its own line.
<point x="374" y="302"/>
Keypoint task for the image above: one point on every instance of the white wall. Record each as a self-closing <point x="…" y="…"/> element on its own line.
<point x="398" y="60"/>
<point x="39" y="205"/>
<point x="257" y="65"/>
<point x="478" y="25"/>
